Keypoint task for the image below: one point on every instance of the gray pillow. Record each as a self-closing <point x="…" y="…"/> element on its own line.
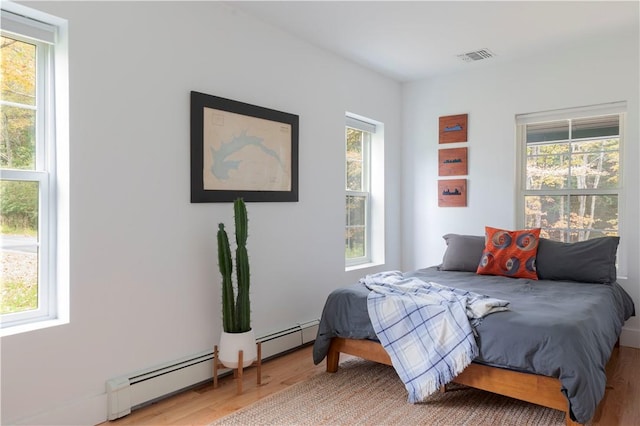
<point x="591" y="261"/>
<point x="463" y="252"/>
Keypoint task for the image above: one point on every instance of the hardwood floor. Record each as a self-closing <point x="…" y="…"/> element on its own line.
<point x="203" y="404"/>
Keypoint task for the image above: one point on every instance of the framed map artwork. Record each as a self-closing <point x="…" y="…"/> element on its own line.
<point x="242" y="150"/>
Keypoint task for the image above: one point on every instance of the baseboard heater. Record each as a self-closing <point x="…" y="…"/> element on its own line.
<point x="140" y="388"/>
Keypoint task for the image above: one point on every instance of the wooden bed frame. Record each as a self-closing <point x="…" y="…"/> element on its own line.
<point x="541" y="390"/>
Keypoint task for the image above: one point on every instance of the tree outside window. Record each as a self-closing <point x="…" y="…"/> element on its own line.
<point x="572" y="177"/>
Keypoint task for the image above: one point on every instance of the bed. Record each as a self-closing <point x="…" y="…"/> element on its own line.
<point x="550" y="348"/>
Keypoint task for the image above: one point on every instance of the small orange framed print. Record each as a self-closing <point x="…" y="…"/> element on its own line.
<point x="452" y="162"/>
<point x="452" y="193"/>
<point x="453" y="128"/>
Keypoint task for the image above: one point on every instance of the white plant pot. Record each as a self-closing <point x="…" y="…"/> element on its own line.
<point x="232" y="343"/>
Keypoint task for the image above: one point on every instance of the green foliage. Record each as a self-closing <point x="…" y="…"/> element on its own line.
<point x="18" y="83"/>
<point x="355" y="227"/>
<point x="18" y="296"/>
<point x="355" y="181"/>
<point x="18" y="71"/>
<point x="243" y="308"/>
<point x="225" y="265"/>
<point x="19" y="206"/>
<point x="354" y="159"/>
<point x="236" y="315"/>
<point x="18" y="200"/>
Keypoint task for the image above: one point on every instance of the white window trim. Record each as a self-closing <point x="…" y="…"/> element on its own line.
<point x="23" y="22"/>
<point x="575" y="113"/>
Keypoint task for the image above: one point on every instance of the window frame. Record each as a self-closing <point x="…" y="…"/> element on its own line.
<point x="373" y="240"/>
<point x="614" y="108"/>
<point x="49" y="34"/>
<point x="365" y="193"/>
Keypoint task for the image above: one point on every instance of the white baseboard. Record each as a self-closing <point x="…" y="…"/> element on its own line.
<point x="630" y="337"/>
<point x="91" y="410"/>
<point x="88" y="411"/>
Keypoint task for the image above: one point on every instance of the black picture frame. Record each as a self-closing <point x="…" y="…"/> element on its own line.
<point x="210" y="115"/>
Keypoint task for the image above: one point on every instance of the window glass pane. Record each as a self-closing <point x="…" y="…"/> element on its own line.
<point x="19" y="280"/>
<point x="355" y="242"/>
<point x="546" y="211"/>
<point x="19" y="245"/>
<point x="549" y="131"/>
<point x="17" y="138"/>
<point x="594" y="127"/>
<point x="595" y="164"/>
<point x="548" y="149"/>
<point x="589" y="234"/>
<point x="578" y="162"/>
<point x="18" y="72"/>
<point x="594" y="212"/>
<point x="554" y="234"/>
<point x="547" y="171"/>
<point x="358" y="136"/>
<point x="356" y="210"/>
<point x="581" y="216"/>
<point x="355" y="230"/>
<point x="354" y="160"/>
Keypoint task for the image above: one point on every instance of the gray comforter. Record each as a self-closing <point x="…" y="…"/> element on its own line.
<point x="559" y="329"/>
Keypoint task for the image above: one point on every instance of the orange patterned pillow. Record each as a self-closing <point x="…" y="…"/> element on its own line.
<point x="510" y="253"/>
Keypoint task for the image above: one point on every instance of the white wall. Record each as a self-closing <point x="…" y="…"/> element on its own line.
<point x="144" y="278"/>
<point x="593" y="72"/>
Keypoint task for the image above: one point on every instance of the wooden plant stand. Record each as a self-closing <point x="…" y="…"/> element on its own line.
<point x="237" y="372"/>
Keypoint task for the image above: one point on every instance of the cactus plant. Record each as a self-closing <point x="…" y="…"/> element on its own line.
<point x="236" y="314"/>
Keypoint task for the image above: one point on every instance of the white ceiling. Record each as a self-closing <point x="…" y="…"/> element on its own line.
<point x="411" y="40"/>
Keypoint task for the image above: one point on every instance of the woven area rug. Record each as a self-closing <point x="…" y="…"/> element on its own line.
<point x="367" y="393"/>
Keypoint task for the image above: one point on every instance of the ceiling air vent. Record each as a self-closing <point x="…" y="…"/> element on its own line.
<point x="476" y="55"/>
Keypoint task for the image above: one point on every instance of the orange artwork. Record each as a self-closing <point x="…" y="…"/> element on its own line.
<point x="452" y="193"/>
<point x="452" y="162"/>
<point x="453" y="128"/>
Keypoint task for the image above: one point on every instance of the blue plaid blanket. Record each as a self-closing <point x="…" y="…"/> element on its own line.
<point x="426" y="328"/>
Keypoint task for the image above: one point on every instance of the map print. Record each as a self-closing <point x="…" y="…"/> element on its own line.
<point x="245" y="153"/>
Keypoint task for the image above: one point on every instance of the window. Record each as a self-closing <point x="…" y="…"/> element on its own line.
<point x="364" y="199"/>
<point x="28" y="179"/>
<point x="571" y="174"/>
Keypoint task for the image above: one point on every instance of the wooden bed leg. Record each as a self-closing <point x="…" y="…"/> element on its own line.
<point x="333" y="359"/>
<point x="443" y="388"/>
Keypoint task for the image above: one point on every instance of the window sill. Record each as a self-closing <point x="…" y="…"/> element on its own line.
<point x="32" y="326"/>
<point x="362" y="266"/>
